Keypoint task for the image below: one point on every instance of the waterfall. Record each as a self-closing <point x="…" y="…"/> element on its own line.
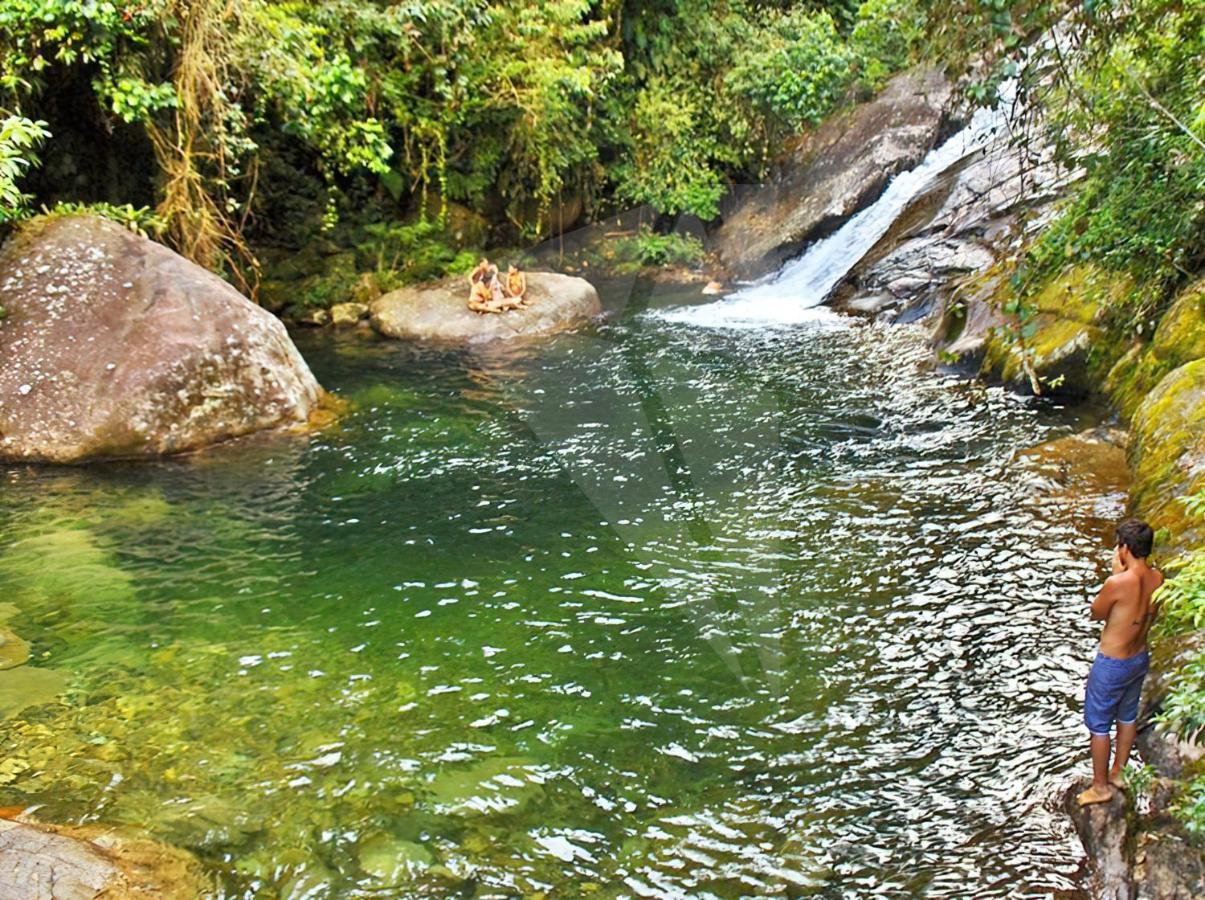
<point x="795" y="294"/>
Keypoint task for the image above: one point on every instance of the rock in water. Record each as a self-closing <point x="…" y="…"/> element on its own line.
<point x="833" y="171"/>
<point x="39" y="862"/>
<point x="115" y="346"/>
<point x="440" y="314"/>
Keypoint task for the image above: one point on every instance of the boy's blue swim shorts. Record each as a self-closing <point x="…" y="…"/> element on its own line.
<point x="1114" y="687"/>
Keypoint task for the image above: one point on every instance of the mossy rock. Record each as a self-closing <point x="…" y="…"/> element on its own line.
<point x="1167" y="454"/>
<point x="1179" y="338"/>
<point x="1066" y="341"/>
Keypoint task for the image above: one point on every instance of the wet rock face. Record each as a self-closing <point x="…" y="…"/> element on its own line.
<point x="833" y="171"/>
<point x="956" y="230"/>
<point x="115" y="346"/>
<point x="440" y="313"/>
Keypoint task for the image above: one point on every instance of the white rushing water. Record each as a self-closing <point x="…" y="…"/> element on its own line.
<point x="796" y="293"/>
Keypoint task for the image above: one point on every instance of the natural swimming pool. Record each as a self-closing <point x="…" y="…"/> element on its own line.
<point x="655" y="610"/>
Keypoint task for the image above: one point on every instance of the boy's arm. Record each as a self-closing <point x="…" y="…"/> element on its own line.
<point x="1104" y="601"/>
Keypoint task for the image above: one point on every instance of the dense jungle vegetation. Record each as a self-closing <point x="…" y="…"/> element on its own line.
<point x="239" y="121"/>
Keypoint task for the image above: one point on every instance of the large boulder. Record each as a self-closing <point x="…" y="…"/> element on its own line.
<point x="1064" y="343"/>
<point x="114" y="346"/>
<point x="832" y="172"/>
<point x="440" y="314"/>
<point x="1178" y="339"/>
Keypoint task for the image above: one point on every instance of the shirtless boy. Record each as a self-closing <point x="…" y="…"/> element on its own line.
<point x="1115" y="682"/>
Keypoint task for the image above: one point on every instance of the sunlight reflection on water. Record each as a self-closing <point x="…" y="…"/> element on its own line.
<point x="661" y="611"/>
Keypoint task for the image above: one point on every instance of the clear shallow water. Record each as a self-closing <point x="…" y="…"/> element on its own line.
<point x="655" y="612"/>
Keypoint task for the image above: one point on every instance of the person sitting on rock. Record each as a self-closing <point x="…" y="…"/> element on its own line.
<point x="480" y="298"/>
<point x="499" y="300"/>
<point x="480" y="295"/>
<point x="516" y="285"/>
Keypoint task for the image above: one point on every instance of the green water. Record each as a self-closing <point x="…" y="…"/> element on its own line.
<point x="652" y="612"/>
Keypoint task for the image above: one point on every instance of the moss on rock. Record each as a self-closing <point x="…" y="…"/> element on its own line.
<point x="1064" y="340"/>
<point x="1167" y="454"/>
<point x="1178" y="339"/>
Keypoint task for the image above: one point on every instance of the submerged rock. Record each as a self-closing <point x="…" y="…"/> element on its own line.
<point x="390" y="861"/>
<point x="115" y="346"/>
<point x="13" y="650"/>
<point x="833" y="171"/>
<point x="41" y="861"/>
<point x="27" y="686"/>
<point x="440" y="314"/>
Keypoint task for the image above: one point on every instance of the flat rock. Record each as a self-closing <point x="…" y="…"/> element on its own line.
<point x="115" y="346"/>
<point x="41" y="862"/>
<point x="440" y="314"/>
<point x="832" y="172"/>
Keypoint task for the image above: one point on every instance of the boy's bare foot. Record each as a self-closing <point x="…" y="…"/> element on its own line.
<point x="1118" y="780"/>
<point x="1095" y="794"/>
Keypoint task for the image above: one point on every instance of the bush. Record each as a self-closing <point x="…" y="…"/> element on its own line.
<point x="649" y="248"/>
<point x="19" y="137"/>
<point x="885" y="35"/>
<point x="798" y="72"/>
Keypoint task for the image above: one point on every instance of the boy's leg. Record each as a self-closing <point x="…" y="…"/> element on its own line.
<point x="1098" y="716"/>
<point x="1125" y="740"/>
<point x="1127" y="725"/>
<point x="1100" y="792"/>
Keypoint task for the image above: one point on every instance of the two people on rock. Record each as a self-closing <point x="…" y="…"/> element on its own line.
<point x="1127" y="607"/>
<point x="488" y="293"/>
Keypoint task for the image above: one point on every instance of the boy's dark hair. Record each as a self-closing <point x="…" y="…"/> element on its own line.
<point x="1138" y="536"/>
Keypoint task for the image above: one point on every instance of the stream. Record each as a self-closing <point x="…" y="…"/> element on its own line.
<point x="656" y="611"/>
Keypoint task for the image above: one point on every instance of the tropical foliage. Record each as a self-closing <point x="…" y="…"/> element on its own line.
<point x="514" y="110"/>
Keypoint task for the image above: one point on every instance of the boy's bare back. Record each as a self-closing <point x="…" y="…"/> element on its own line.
<point x="1126" y="606"/>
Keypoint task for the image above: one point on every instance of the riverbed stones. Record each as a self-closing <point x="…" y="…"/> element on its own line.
<point x="832" y="172"/>
<point x="115" y="346"/>
<point x="42" y="862"/>
<point x="439" y="313"/>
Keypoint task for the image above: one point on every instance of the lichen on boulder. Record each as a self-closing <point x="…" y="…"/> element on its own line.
<point x="115" y="346"/>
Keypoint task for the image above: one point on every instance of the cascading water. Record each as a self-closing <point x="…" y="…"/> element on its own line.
<point x="795" y="294"/>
